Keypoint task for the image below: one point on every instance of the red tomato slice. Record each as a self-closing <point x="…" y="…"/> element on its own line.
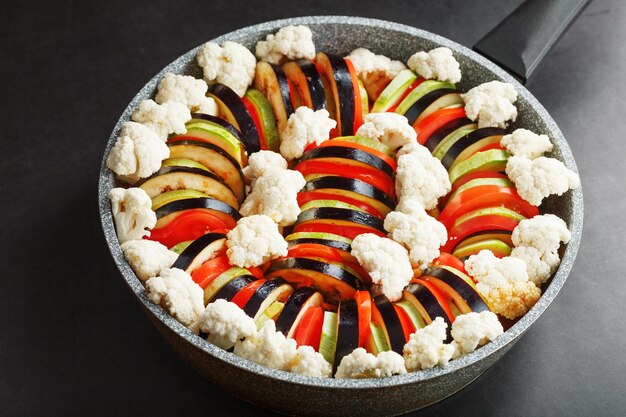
<point x="346" y="231"/>
<point x="364" y="306"/>
<point x="443" y="299"/>
<point x="358" y="105"/>
<point x="405" y="322"/>
<point x="328" y="254"/>
<point x="485" y="196"/>
<point x="488" y="147"/>
<point x="307" y="196"/>
<point x="412" y="87"/>
<point x="210" y="270"/>
<point x="293" y="95"/>
<point x="257" y="121"/>
<point x="447" y="259"/>
<point x="255" y="271"/>
<point x="338" y="142"/>
<point x="434" y="121"/>
<point x="244" y="294"/>
<point x="309" y="330"/>
<point x="478" y="224"/>
<point x="370" y="175"/>
<point x="189" y="225"/>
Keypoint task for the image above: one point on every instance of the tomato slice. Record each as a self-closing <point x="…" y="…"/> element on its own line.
<point x="428" y="125"/>
<point x="447" y="259"/>
<point x="257" y="121"/>
<point x="442" y="299"/>
<point x="210" y="270"/>
<point x="412" y="87"/>
<point x="309" y="330"/>
<point x="483" y="196"/>
<point x="358" y="105"/>
<point x="189" y="225"/>
<point x="364" y="306"/>
<point x="478" y="224"/>
<point x="327" y="254"/>
<point x="370" y="175"/>
<point x="255" y="271"/>
<point x="405" y="322"/>
<point x="307" y="196"/>
<point x="244" y="294"/>
<point x="338" y="142"/>
<point x="346" y="231"/>
<point x="487" y="148"/>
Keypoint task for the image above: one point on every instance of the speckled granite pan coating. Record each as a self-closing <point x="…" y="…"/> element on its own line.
<point x="294" y="394"/>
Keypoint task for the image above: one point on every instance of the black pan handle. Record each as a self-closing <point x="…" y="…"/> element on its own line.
<point x="523" y="38"/>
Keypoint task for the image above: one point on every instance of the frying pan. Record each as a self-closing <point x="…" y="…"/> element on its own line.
<point x="296" y="394"/>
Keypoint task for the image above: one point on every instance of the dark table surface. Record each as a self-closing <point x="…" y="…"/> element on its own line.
<point x="73" y="340"/>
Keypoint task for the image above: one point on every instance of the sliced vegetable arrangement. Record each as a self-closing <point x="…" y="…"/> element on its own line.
<point x="222" y="199"/>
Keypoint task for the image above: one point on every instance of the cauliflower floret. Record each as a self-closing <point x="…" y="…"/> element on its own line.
<point x="491" y="103"/>
<point x="537" y="243"/>
<point x="186" y="90"/>
<point x="412" y="227"/>
<point x="162" y="119"/>
<point x="275" y="195"/>
<point x="261" y="162"/>
<point x="268" y="347"/>
<point x="421" y="175"/>
<point x="147" y="257"/>
<point x="426" y="347"/>
<point x="360" y="364"/>
<point x="526" y="144"/>
<point x="437" y="64"/>
<point x="225" y="323"/>
<point x="503" y="283"/>
<point x="304" y="127"/>
<point x="137" y="153"/>
<point x="392" y="129"/>
<point x="540" y="178"/>
<point x="290" y="42"/>
<point x="231" y="64"/>
<point x="474" y="329"/>
<point x="132" y="212"/>
<point x="176" y="292"/>
<point x="254" y="241"/>
<point x="386" y="261"/>
<point x="311" y="363"/>
<point x="369" y="65"/>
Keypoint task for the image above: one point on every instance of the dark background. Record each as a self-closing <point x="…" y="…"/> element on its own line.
<point x="73" y="340"/>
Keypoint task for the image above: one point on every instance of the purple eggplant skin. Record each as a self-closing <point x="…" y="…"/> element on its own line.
<point x="228" y="291"/>
<point x="352" y="154"/>
<point x="249" y="130"/>
<point x="331" y="270"/>
<point x="348" y="330"/>
<point x="345" y="90"/>
<point x="199" y="202"/>
<point x="438" y="135"/>
<point x="292" y="308"/>
<point x="252" y="306"/>
<point x="458" y="284"/>
<point x="195" y="248"/>
<point x="283" y="86"/>
<point x="314" y="81"/>
<point x="467" y="140"/>
<point x="420" y="105"/>
<point x="350" y="184"/>
<point x="326" y="242"/>
<point x="431" y="305"/>
<point x="223" y="123"/>
<point x="331" y="213"/>
<point x="392" y="322"/>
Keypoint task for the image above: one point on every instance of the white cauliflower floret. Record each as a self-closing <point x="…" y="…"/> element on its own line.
<point x="421" y="175"/>
<point x="132" y="212"/>
<point x="231" y="64"/>
<point x="369" y="65"/>
<point x="311" y="363"/>
<point x="503" y="283"/>
<point x="186" y="90"/>
<point x="162" y="119"/>
<point x="412" y="227"/>
<point x="138" y="152"/>
<point x="304" y="127"/>
<point x="361" y="364"/>
<point x="147" y="257"/>
<point x="225" y="323"/>
<point x="491" y="104"/>
<point x="392" y="129"/>
<point x="290" y="42"/>
<point x="537" y="243"/>
<point x="540" y="178"/>
<point x="275" y="194"/>
<point x="474" y="329"/>
<point x="526" y="144"/>
<point x="268" y="347"/>
<point x="254" y="241"/>
<point x="262" y="161"/>
<point x="437" y="64"/>
<point x="387" y="263"/>
<point x="426" y="347"/>
<point x="175" y="291"/>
